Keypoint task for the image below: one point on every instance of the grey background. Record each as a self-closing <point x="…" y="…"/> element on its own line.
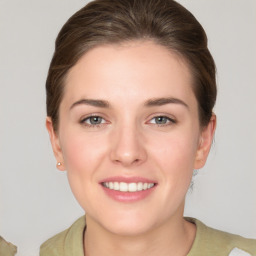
<point x="35" y="199"/>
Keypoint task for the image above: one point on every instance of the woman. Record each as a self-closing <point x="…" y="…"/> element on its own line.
<point x="130" y="93"/>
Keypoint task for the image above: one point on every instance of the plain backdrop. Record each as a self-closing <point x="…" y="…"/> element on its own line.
<point x="35" y="199"/>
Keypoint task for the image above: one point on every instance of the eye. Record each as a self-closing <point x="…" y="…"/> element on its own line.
<point x="162" y="120"/>
<point x="93" y="121"/>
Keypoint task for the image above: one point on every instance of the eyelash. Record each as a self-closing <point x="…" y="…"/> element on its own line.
<point x="89" y="118"/>
<point x="168" y="121"/>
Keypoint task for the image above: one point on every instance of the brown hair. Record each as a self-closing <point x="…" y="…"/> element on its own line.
<point x="114" y="21"/>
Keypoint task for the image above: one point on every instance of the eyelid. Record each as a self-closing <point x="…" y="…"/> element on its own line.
<point x="87" y="117"/>
<point x="171" y="120"/>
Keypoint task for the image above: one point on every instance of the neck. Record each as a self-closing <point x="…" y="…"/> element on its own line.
<point x="174" y="237"/>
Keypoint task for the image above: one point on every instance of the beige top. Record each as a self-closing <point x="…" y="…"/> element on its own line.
<point x="6" y="248"/>
<point x="208" y="242"/>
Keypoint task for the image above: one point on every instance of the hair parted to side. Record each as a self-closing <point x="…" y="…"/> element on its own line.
<point x="115" y="21"/>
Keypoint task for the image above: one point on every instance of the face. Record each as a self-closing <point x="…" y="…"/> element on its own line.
<point x="129" y="136"/>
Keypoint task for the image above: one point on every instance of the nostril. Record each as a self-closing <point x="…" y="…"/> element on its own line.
<point x="127" y="161"/>
<point x="127" y="152"/>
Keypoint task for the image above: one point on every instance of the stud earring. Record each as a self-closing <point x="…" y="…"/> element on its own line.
<point x="58" y="164"/>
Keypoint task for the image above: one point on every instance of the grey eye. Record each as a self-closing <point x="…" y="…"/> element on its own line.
<point x="161" y="120"/>
<point x="94" y="120"/>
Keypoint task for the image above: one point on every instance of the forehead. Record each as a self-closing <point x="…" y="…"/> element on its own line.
<point x="130" y="68"/>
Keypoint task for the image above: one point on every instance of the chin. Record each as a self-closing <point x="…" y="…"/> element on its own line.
<point x="129" y="228"/>
<point x="128" y="224"/>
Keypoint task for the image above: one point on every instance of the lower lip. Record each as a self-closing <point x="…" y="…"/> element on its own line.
<point x="128" y="197"/>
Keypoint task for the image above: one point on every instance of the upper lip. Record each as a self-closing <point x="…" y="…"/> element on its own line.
<point x="135" y="179"/>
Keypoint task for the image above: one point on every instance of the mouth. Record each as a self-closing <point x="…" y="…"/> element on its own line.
<point x="128" y="190"/>
<point x="128" y="187"/>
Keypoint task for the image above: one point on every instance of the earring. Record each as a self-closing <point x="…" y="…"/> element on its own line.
<point x="58" y="164"/>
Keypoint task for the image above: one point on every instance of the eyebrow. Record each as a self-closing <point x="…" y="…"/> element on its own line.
<point x="148" y="103"/>
<point x="164" y="101"/>
<point x="91" y="102"/>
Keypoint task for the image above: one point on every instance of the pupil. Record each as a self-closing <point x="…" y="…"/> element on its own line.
<point x="95" y="120"/>
<point x="161" y="120"/>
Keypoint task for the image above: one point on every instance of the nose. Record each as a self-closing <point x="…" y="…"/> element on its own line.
<point x="127" y="146"/>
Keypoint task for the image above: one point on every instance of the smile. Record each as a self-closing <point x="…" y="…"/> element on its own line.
<point x="128" y="187"/>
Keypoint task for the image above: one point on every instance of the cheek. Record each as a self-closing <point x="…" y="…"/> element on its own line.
<point x="175" y="156"/>
<point x="75" y="154"/>
<point x="81" y="152"/>
<point x="176" y="150"/>
<point x="82" y="157"/>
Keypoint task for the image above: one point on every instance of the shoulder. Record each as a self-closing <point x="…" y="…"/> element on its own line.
<point x="7" y="248"/>
<point x="210" y="241"/>
<point x="231" y="242"/>
<point x="69" y="240"/>
<point x="54" y="245"/>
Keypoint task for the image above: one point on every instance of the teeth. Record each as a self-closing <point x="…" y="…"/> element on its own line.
<point x="132" y="187"/>
<point x="128" y="187"/>
<point x="116" y="186"/>
<point x="110" y="185"/>
<point x="123" y="187"/>
<point x="150" y="185"/>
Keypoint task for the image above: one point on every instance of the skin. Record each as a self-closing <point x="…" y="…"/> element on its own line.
<point x="130" y="141"/>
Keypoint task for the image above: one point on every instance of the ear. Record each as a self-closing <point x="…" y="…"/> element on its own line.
<point x="205" y="142"/>
<point x="55" y="144"/>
